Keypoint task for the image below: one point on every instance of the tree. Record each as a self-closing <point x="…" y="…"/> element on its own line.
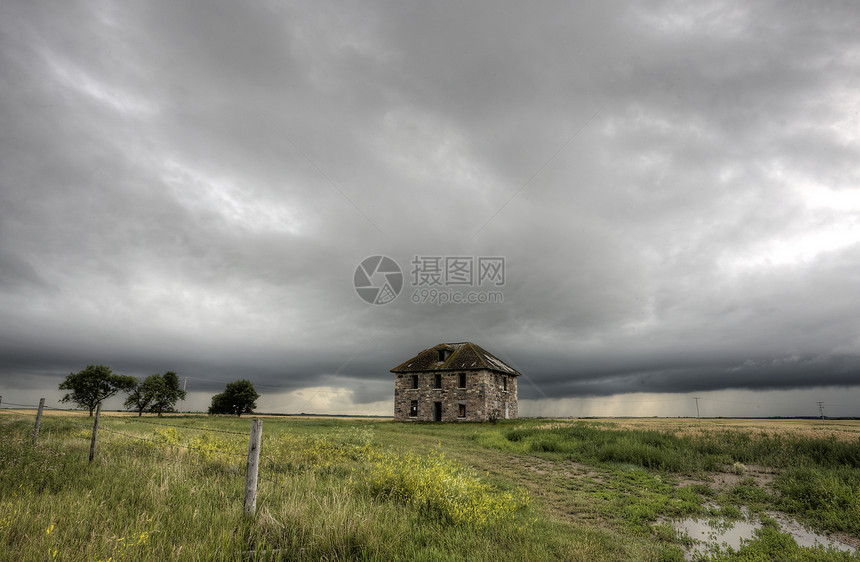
<point x="167" y="393"/>
<point x="238" y="398"/>
<point x="93" y="385"/>
<point x="156" y="394"/>
<point x="142" y="394"/>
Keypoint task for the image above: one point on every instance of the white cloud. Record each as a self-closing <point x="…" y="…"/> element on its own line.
<point x="241" y="206"/>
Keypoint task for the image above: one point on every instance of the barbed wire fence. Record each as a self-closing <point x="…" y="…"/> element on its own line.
<point x="276" y="473"/>
<point x="252" y="458"/>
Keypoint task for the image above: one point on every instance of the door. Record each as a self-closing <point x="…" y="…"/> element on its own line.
<point x="437" y="411"/>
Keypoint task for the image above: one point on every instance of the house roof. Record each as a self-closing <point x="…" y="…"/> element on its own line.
<point x="465" y="356"/>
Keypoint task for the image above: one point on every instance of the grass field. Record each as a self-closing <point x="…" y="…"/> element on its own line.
<point x="355" y="489"/>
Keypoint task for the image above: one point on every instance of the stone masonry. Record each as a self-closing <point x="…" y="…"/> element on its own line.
<point x="436" y="390"/>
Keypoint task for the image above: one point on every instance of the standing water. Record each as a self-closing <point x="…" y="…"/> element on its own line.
<point x="712" y="533"/>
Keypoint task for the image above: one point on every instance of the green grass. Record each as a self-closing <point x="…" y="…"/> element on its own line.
<point x="378" y="490"/>
<point x="332" y="491"/>
<point x="819" y="478"/>
<point x="830" y="497"/>
<point x="661" y="450"/>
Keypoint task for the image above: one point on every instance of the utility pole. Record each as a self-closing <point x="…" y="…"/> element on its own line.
<point x="697" y="407"/>
<point x="182" y="400"/>
<point x="821" y="410"/>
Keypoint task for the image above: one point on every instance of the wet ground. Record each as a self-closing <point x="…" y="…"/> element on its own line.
<point x="709" y="533"/>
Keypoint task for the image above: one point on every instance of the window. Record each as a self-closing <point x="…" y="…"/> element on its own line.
<point x="438" y="381"/>
<point x="505" y="381"/>
<point x="462" y="380"/>
<point x="444" y="354"/>
<point x="462" y="411"/>
<point x="414" y="381"/>
<point x="413" y="409"/>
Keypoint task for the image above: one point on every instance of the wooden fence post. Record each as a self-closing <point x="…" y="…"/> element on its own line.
<point x="95" y="432"/>
<point x="253" y="466"/>
<point x="38" y="419"/>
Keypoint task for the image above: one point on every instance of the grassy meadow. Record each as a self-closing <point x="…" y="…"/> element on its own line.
<point x="360" y="489"/>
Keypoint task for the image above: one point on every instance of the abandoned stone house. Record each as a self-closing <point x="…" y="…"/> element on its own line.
<point x="455" y="382"/>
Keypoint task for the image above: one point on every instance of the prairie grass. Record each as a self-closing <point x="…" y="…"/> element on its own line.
<point x="176" y="493"/>
<point x="170" y="489"/>
<point x="818" y="477"/>
<point x="690" y="453"/>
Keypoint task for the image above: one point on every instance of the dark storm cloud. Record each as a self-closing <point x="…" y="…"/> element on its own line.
<point x="693" y="374"/>
<point x="190" y="187"/>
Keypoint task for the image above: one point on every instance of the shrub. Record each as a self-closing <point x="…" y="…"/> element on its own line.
<point x="443" y="489"/>
<point x="324" y="452"/>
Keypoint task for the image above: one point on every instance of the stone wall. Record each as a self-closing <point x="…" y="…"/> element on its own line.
<point x="502" y="399"/>
<point x="484" y="392"/>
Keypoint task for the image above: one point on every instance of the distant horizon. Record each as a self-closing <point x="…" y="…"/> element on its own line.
<point x="379" y="416"/>
<point x="5" y="404"/>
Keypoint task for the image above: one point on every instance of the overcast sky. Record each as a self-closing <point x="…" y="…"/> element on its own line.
<point x="674" y="188"/>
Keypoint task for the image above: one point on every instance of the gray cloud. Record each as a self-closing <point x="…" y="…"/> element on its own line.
<point x="190" y="186"/>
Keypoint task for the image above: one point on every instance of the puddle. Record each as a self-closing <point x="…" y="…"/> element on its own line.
<point x="709" y="533"/>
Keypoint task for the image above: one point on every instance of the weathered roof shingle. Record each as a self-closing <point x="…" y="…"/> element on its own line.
<point x="465" y="356"/>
